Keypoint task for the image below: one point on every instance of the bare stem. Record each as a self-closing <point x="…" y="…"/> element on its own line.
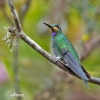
<point x="24" y="10"/>
<point x="16" y="70"/>
<point x="15" y="15"/>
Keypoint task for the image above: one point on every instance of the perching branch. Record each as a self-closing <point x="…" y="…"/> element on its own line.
<point x="18" y="32"/>
<point x="90" y="46"/>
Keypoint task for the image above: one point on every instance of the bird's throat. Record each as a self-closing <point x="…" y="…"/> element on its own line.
<point x="53" y="33"/>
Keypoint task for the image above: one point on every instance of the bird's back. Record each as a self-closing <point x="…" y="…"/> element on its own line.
<point x="63" y="42"/>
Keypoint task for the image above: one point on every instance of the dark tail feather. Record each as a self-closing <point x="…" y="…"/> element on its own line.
<point x="87" y="74"/>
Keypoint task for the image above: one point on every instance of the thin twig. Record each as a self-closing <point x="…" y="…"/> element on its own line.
<point x="39" y="49"/>
<point x="15" y="15"/>
<point x="90" y="46"/>
<point x="16" y="70"/>
<point x="24" y="10"/>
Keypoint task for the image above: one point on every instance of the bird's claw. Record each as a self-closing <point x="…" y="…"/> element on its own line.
<point x="58" y="58"/>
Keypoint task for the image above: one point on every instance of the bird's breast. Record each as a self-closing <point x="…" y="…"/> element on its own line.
<point x="61" y="44"/>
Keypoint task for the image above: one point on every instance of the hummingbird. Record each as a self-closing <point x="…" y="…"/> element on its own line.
<point x="65" y="51"/>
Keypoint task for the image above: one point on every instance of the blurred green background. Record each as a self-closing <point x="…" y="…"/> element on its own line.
<point x="38" y="78"/>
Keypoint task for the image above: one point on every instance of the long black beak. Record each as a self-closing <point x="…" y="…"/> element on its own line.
<point x="49" y="26"/>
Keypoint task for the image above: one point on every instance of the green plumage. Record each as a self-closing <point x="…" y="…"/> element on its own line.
<point x="63" y="42"/>
<point x="63" y="49"/>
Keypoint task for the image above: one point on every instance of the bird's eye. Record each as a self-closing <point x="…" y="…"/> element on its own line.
<point x="58" y="26"/>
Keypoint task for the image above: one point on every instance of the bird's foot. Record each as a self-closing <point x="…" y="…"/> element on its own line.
<point x="58" y="58"/>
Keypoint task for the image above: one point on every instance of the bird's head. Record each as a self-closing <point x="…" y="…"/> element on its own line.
<point x="55" y="28"/>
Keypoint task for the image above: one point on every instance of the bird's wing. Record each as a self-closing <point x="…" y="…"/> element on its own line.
<point x="70" y="48"/>
<point x="74" y="65"/>
<point x="70" y="56"/>
<point x="74" y="53"/>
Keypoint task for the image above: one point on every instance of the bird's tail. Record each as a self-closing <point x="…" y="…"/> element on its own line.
<point x="85" y="82"/>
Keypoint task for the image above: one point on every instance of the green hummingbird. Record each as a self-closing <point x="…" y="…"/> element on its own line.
<point x="64" y="51"/>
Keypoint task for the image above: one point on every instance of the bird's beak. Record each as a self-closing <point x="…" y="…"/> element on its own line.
<point x="49" y="26"/>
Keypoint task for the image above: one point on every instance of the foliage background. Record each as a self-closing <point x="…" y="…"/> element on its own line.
<point x="39" y="79"/>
